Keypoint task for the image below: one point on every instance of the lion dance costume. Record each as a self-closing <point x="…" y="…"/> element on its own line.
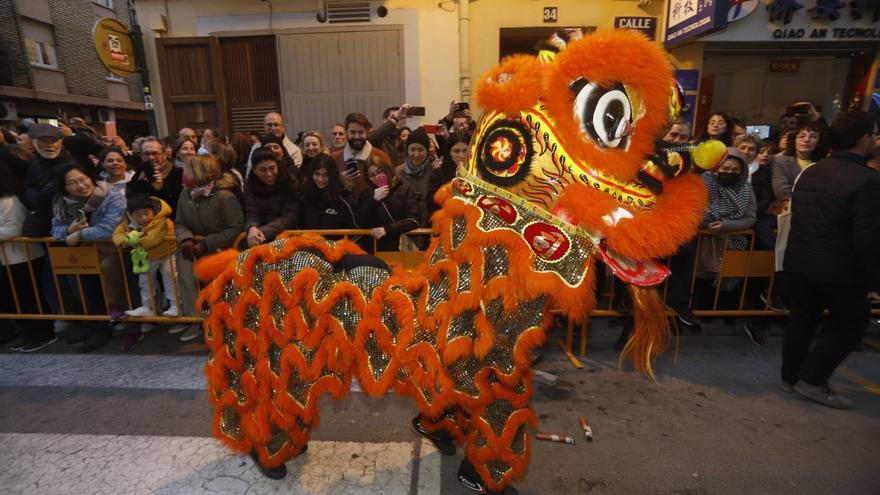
<point x="564" y="168"/>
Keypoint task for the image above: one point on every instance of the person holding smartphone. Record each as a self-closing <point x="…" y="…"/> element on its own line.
<point x="156" y="175"/>
<point x="387" y="205"/>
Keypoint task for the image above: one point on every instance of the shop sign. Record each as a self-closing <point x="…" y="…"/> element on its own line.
<point x="806" y="20"/>
<point x="644" y="25"/>
<point x="785" y="65"/>
<point x="689" y="19"/>
<point x="114" y="47"/>
<point x="551" y="14"/>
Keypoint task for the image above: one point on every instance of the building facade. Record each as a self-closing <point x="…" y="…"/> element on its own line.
<point x="224" y="63"/>
<point x="54" y="70"/>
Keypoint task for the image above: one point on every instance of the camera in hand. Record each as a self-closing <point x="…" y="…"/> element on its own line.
<point x="416" y="111"/>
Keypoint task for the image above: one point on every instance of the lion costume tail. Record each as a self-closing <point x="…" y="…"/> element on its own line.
<point x="651" y="333"/>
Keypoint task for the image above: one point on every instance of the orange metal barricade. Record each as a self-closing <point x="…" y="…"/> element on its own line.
<point x="85" y="260"/>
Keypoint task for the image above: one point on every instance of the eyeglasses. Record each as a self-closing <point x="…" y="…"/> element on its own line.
<point x="82" y="181"/>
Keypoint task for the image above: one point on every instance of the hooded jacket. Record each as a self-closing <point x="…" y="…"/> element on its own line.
<point x="153" y="233"/>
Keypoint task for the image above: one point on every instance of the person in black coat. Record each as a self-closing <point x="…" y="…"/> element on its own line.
<point x="831" y="258"/>
<point x="155" y="175"/>
<point x="325" y="203"/>
<point x="455" y="149"/>
<point x="40" y="184"/>
<point x="271" y="205"/>
<point x="387" y="205"/>
<point x="762" y="185"/>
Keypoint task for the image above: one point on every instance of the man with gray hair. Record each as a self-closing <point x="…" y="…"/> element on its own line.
<point x="273" y="123"/>
<point x="40" y="183"/>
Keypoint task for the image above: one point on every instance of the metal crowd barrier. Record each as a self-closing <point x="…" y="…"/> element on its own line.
<point x="84" y="260"/>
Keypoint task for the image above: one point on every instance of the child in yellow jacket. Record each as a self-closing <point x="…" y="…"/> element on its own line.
<point x="149" y="216"/>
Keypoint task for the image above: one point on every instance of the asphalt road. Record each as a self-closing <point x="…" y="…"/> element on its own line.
<point x="713" y="423"/>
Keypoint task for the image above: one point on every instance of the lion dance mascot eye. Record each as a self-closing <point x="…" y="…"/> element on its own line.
<point x="565" y="167"/>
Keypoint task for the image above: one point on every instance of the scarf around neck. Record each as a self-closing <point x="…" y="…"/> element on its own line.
<point x="413" y="171"/>
<point x="65" y="206"/>
<point x="728" y="203"/>
<point x="202" y="191"/>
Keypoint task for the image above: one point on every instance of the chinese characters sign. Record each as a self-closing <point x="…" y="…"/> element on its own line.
<point x="687" y="19"/>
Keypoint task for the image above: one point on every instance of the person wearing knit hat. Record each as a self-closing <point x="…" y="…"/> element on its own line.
<point x="416" y="170"/>
<point x="275" y="144"/>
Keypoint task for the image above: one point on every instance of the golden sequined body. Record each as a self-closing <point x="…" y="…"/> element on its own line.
<point x="285" y="325"/>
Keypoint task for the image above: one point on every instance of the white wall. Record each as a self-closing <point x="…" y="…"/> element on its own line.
<point x="430" y="39"/>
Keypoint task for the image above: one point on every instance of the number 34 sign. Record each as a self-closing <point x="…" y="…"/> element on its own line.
<point x="551" y="14"/>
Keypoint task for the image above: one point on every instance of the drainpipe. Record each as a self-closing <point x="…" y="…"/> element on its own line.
<point x="464" y="49"/>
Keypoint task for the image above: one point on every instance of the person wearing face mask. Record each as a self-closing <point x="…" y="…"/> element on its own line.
<point x="454" y="156"/>
<point x="417" y="169"/>
<point x="40" y="184"/>
<point x="732" y="206"/>
<point x="387" y="205"/>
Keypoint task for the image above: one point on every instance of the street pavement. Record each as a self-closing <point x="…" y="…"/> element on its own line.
<point x="714" y="422"/>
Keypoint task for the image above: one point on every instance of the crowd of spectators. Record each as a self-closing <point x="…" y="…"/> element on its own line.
<point x="209" y="190"/>
<point x="206" y="190"/>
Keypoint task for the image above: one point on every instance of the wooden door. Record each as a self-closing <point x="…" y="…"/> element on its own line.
<point x="190" y="70"/>
<point x="250" y="73"/>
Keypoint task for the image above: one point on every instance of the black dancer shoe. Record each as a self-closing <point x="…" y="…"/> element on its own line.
<point x="442" y="440"/>
<point x="276" y="473"/>
<point x="469" y="478"/>
<point x="755" y="333"/>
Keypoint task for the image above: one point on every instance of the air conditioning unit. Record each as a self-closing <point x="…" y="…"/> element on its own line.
<point x="347" y="11"/>
<point x="8" y="111"/>
<point x="106" y="115"/>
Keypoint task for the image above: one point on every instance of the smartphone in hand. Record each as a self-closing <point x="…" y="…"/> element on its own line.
<point x="416" y="111"/>
<point x="381" y="180"/>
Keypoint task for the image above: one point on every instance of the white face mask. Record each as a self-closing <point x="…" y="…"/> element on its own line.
<point x="202" y="150"/>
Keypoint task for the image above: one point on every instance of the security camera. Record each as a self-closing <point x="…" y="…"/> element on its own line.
<point x="382" y="11"/>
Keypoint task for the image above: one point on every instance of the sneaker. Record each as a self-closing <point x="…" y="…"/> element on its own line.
<point x="786" y="387"/>
<point x="132" y="341"/>
<point x="823" y="395"/>
<point x="686" y="316"/>
<point x="170" y="312"/>
<point x="442" y="440"/>
<point x="275" y="473"/>
<point x="191" y="333"/>
<point x="18" y="344"/>
<point x="178" y="328"/>
<point x="36" y="345"/>
<point x="148" y="327"/>
<point x="95" y="340"/>
<point x="756" y="335"/>
<point x="76" y="334"/>
<point x="141" y="311"/>
<point x="116" y="314"/>
<point x="775" y="303"/>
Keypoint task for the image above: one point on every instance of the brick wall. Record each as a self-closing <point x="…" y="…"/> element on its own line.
<point x="16" y="70"/>
<point x="134" y="82"/>
<point x="74" y="21"/>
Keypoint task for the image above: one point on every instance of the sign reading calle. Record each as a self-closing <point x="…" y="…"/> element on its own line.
<point x="114" y="47"/>
<point x="645" y="25"/>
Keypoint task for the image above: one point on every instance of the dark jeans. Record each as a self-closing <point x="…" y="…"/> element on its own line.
<point x="849" y="314"/>
<point x="27" y="298"/>
<point x="765" y="238"/>
<point x="682" y="265"/>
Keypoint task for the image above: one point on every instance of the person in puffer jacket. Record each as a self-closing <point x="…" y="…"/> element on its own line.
<point x="387" y="205"/>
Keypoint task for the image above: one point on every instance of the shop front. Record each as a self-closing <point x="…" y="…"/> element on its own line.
<point x="763" y="56"/>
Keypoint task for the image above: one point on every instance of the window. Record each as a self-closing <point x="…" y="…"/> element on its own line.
<point x="105" y="3"/>
<point x="39" y="40"/>
<point x="113" y="77"/>
<point x="41" y="53"/>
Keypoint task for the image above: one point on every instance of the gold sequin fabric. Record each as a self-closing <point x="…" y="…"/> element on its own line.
<point x="286" y="325"/>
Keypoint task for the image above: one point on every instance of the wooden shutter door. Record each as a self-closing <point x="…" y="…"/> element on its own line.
<point x="372" y="72"/>
<point x="250" y="72"/>
<point x="192" y="83"/>
<point x="311" y="88"/>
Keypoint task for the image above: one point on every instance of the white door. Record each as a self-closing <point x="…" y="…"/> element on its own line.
<point x="325" y="76"/>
